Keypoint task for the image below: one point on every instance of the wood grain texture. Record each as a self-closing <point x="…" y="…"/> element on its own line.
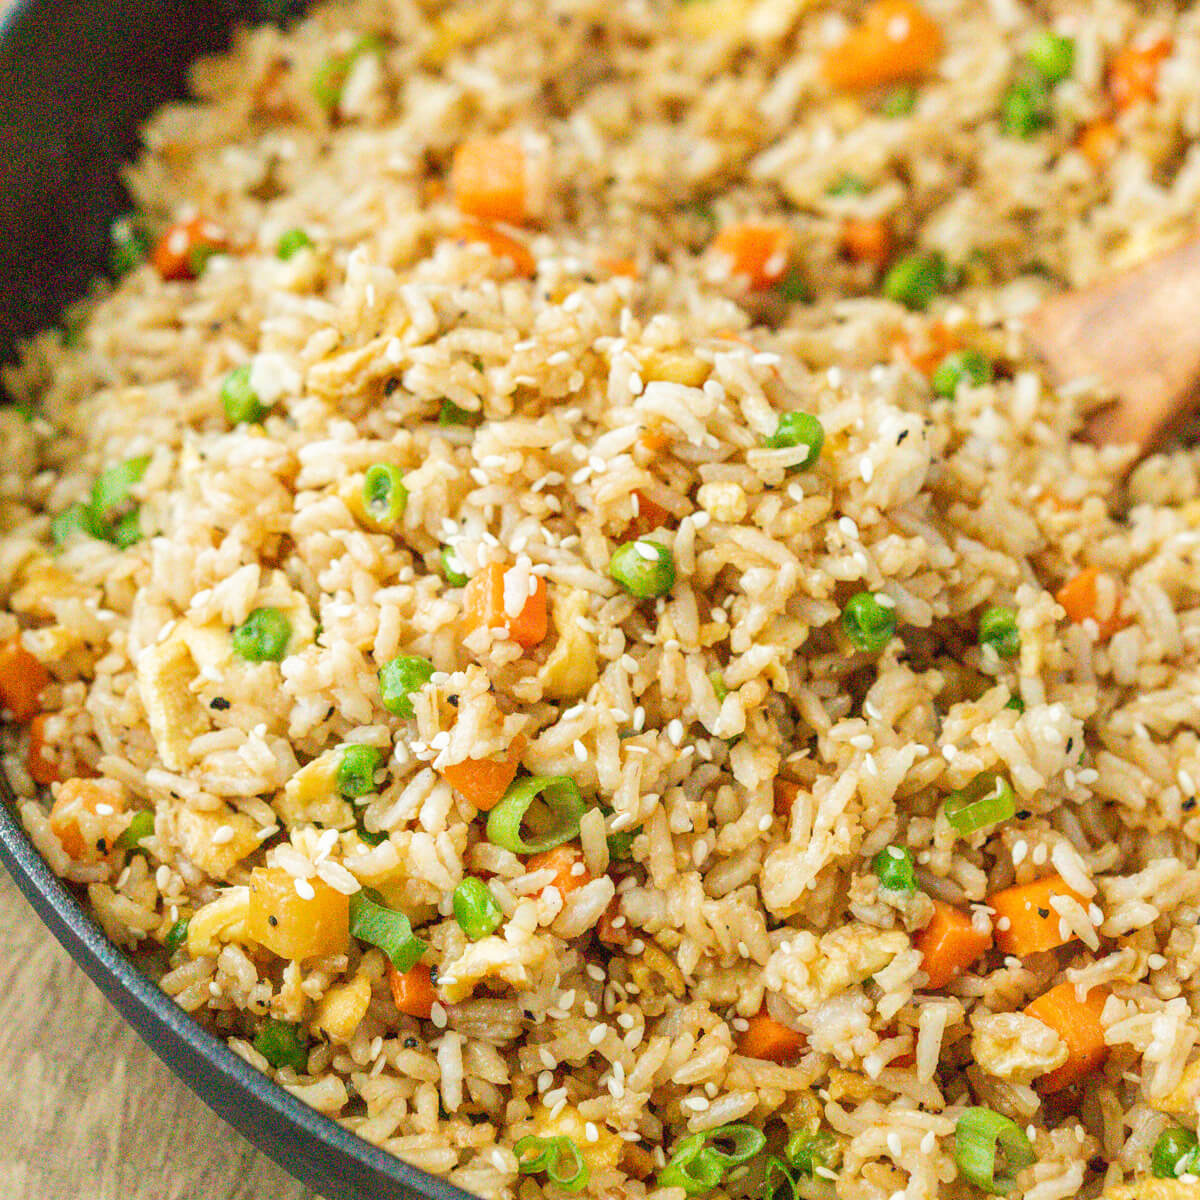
<point x="89" y="1113"/>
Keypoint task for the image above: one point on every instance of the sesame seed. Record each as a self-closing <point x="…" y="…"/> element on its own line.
<point x="595" y="972"/>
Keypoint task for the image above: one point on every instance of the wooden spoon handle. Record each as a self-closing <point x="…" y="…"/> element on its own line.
<point x="1137" y="335"/>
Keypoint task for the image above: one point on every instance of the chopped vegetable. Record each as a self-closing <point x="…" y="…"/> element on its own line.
<point x="1176" y="1153"/>
<point x="867" y="240"/>
<point x="1080" y="597"/>
<point x="645" y="569"/>
<point x="565" y="861"/>
<point x="291" y="243"/>
<point x="986" y="801"/>
<point x="755" y="253"/>
<point x="793" y="287"/>
<point x="868" y="624"/>
<point x="799" y="429"/>
<point x="558" y="1157"/>
<point x="128" y="245"/>
<point x="451" y="414"/>
<point x="650" y="516"/>
<point x="893" y="866"/>
<point x="183" y="251"/>
<point x="549" y="807"/>
<point x="502" y="246"/>
<point x="718" y="685"/>
<point x="482" y="782"/>
<point x="958" y="367"/>
<point x="373" y="922"/>
<point x="1098" y="141"/>
<point x="476" y="909"/>
<point x="765" y="1038"/>
<point x="283" y="1045"/>
<point x="899" y="101"/>
<point x="90" y="799"/>
<point x="75" y="518"/>
<point x="847" y="184"/>
<point x="620" y="844"/>
<point x="399" y="678"/>
<point x="451" y="567"/>
<point x="263" y="636"/>
<point x="488" y="601"/>
<point x="137" y="831"/>
<point x="894" y="40"/>
<point x="1016" y="703"/>
<point x="356" y="770"/>
<point x="915" y="280"/>
<point x="1077" y="1022"/>
<point x="22" y="679"/>
<point x="734" y="1144"/>
<point x="949" y="944"/>
<point x="296" y="918"/>
<point x="412" y="991"/>
<point x="990" y="1150"/>
<point x="1025" y="108"/>
<point x="1133" y="73"/>
<point x="330" y="77"/>
<point x="176" y="936"/>
<point x="1051" y="55"/>
<point x="692" y="1168"/>
<point x="488" y="179"/>
<point x="384" y="494"/>
<point x="998" y="629"/>
<point x="41" y="765"/>
<point x="240" y="400"/>
<point x="114" y="511"/>
<point x="1027" y="921"/>
<point x="808" y="1149"/>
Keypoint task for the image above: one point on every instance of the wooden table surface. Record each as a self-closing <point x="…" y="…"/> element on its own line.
<point x="88" y="1111"/>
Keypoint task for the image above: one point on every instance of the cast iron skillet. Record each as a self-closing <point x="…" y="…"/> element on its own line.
<point x="76" y="79"/>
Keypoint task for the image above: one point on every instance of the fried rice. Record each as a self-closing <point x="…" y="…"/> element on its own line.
<point x="874" y="749"/>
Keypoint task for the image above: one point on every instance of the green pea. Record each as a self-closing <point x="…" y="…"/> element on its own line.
<point x="1176" y="1153"/>
<point x="793" y="287"/>
<point x="1025" y="108"/>
<point x="384" y="495"/>
<point x="399" y="678"/>
<point x="114" y="510"/>
<point x="868" y="624"/>
<point x="242" y="405"/>
<point x="1051" y="55"/>
<point x="915" y="280"/>
<point x="961" y="366"/>
<point x="356" y="770"/>
<point x="76" y="518"/>
<point x="176" y="936"/>
<point x="452" y="570"/>
<point x="799" y="429"/>
<point x="128" y="245"/>
<point x="263" y="636"/>
<point x="998" y="629"/>
<point x="900" y="101"/>
<point x="893" y="866"/>
<point x="291" y="243"/>
<point x="451" y="414"/>
<point x="645" y="569"/>
<point x="283" y="1045"/>
<point x="476" y="910"/>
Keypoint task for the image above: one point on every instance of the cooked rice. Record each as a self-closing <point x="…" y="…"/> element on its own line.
<point x="603" y="388"/>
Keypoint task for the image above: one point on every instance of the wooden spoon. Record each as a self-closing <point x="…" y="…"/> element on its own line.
<point x="1137" y="335"/>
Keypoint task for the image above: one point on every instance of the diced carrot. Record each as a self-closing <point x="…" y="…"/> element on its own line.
<point x="1080" y="596"/>
<point x="487" y="179"/>
<point x="413" y="992"/>
<point x="183" y="248"/>
<point x="1078" y="1024"/>
<point x="940" y="342"/>
<point x="607" y="929"/>
<point x="562" y="860"/>
<point x="1098" y="141"/>
<point x="764" y="1037"/>
<point x="867" y="241"/>
<point x="1133" y="73"/>
<point x="22" y="679"/>
<point x="42" y="766"/>
<point x="756" y="253"/>
<point x="1026" y="921"/>
<point x="654" y="438"/>
<point x="484" y="607"/>
<point x="650" y="516"/>
<point x="785" y="796"/>
<point x="87" y="798"/>
<point x="483" y="781"/>
<point x="501" y="245"/>
<point x="626" y="267"/>
<point x="896" y="39"/>
<point x="949" y="944"/>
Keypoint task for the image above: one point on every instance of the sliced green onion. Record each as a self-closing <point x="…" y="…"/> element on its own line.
<point x="847" y="184"/>
<point x="986" y="801"/>
<point x="868" y="624"/>
<point x="240" y="400"/>
<point x="112" y="499"/>
<point x="990" y="1150"/>
<point x="356" y="770"/>
<point x="452" y="571"/>
<point x="645" y="569"/>
<point x="1176" y="1153"/>
<point x="549" y="806"/>
<point x="735" y="1144"/>
<point x="399" y="678"/>
<point x="998" y="629"/>
<point x="1016" y="703"/>
<point x="176" y="936"/>
<point x="373" y="922"/>
<point x="1051" y="55"/>
<point x="900" y="101"/>
<point x="620" y="844"/>
<point x="263" y="636"/>
<point x="961" y="366"/>
<point x="692" y="1167"/>
<point x="718" y="685"/>
<point x="137" y="831"/>
<point x="476" y="910"/>
<point x="76" y="518"/>
<point x="291" y="243"/>
<point x="558" y="1157"/>
<point x="383" y="493"/>
<point x="451" y="414"/>
<point x="283" y="1045"/>
<point x="128" y="530"/>
<point x="799" y="429"/>
<point x="330" y="77"/>
<point x="808" y="1149"/>
<point x="893" y="866"/>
